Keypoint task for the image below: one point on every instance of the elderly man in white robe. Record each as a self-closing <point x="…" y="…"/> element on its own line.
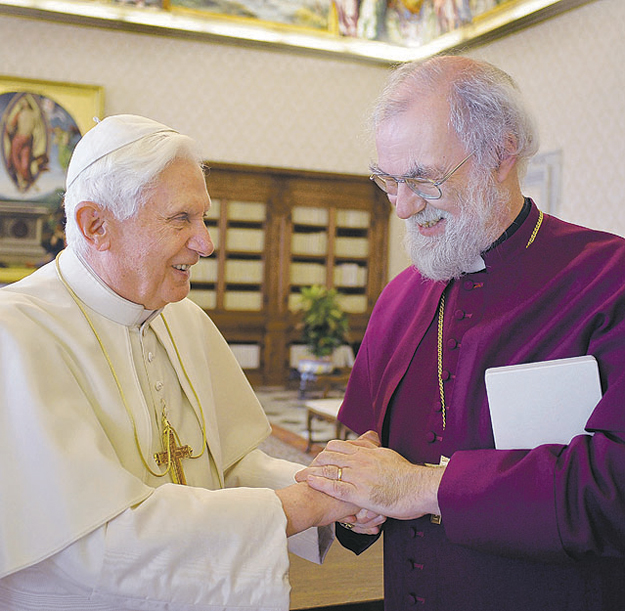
<point x="117" y="391"/>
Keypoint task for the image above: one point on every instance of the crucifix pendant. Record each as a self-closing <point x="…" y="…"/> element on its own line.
<point x="173" y="454"/>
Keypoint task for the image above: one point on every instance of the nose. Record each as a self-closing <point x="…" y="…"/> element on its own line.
<point x="200" y="241"/>
<point x="407" y="203"/>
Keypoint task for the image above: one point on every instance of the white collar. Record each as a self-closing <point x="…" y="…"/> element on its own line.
<point x="477" y="266"/>
<point x="93" y="292"/>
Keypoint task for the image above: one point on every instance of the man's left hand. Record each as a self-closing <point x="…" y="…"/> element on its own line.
<point x="377" y="479"/>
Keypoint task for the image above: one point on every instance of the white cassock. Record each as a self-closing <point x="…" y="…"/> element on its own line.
<point x="83" y="524"/>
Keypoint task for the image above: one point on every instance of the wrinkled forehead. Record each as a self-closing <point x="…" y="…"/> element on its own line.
<point x="421" y="134"/>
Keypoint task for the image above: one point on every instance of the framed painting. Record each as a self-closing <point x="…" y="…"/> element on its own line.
<point x="40" y="124"/>
<point x="387" y="31"/>
<point x="543" y="181"/>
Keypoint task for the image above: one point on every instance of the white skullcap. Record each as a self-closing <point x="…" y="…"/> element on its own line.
<point x="107" y="136"/>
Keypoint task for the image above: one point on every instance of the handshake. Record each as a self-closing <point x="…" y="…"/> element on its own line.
<point x="369" y="483"/>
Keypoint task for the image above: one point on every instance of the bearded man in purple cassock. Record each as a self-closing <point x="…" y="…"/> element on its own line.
<point x="495" y="282"/>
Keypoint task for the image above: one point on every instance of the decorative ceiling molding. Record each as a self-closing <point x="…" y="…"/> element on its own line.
<point x="504" y="19"/>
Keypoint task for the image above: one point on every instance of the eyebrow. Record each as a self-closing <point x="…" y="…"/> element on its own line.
<point x="416" y="171"/>
<point x="182" y="212"/>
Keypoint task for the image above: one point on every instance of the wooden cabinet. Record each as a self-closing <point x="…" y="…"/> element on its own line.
<point x="274" y="232"/>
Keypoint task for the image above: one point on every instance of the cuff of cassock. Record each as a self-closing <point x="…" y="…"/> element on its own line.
<point x="353" y="541"/>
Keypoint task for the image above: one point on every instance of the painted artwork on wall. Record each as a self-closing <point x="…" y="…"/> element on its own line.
<point x="402" y="22"/>
<point x="406" y="23"/>
<point x="299" y="13"/>
<point x="40" y="124"/>
<point x="38" y="136"/>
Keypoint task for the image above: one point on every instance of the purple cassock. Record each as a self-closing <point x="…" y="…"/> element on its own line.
<point x="526" y="530"/>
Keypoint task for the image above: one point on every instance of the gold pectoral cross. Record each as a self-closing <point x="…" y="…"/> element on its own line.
<point x="173" y="453"/>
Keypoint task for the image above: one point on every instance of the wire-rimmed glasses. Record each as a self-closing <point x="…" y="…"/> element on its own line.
<point x="423" y="187"/>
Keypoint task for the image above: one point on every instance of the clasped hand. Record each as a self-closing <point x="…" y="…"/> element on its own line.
<point x="377" y="479"/>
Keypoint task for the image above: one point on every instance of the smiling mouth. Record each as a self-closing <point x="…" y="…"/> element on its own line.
<point x="429" y="217"/>
<point x="429" y="224"/>
<point x="182" y="268"/>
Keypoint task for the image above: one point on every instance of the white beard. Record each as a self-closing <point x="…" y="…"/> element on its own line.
<point x="483" y="209"/>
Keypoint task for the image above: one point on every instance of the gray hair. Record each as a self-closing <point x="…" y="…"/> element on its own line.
<point x="487" y="110"/>
<point x="122" y="181"/>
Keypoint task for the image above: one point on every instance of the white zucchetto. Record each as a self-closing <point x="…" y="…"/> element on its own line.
<point x="110" y="134"/>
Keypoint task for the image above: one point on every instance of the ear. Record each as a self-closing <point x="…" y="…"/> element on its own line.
<point x="508" y="161"/>
<point x="92" y="223"/>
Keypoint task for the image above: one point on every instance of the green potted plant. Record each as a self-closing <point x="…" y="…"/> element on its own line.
<point x="324" y="327"/>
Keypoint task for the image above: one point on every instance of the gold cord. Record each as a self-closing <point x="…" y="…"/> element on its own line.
<point x="535" y="232"/>
<point x="441" y="389"/>
<point x="441" y="313"/>
<point x="195" y="395"/>
<point x="119" y="386"/>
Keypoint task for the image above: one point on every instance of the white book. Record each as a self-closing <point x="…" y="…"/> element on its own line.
<point x="544" y="402"/>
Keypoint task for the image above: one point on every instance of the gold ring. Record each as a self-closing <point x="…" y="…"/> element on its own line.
<point x="340" y="475"/>
<point x="346" y="525"/>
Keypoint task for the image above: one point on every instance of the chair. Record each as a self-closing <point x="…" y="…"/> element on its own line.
<point x="324" y="409"/>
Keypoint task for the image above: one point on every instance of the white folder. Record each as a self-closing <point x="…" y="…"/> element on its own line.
<point x="544" y="402"/>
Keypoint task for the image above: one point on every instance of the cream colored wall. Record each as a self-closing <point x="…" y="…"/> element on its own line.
<point x="572" y="72"/>
<point x="244" y="105"/>
<point x="266" y="107"/>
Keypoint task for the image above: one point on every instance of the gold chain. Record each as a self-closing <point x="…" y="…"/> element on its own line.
<point x="119" y="386"/>
<point x="535" y="232"/>
<point x="441" y="388"/>
<point x="441" y="314"/>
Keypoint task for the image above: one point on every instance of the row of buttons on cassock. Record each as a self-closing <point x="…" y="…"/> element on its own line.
<point x="451" y="344"/>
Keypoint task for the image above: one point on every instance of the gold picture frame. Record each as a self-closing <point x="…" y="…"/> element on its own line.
<point x="40" y="124"/>
<point x="160" y="17"/>
<point x="84" y="102"/>
<point x="55" y="116"/>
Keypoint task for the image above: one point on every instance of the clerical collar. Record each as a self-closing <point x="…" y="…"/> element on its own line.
<point x="94" y="293"/>
<point x="479" y="264"/>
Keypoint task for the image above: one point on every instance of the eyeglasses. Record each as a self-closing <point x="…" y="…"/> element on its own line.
<point x="423" y="187"/>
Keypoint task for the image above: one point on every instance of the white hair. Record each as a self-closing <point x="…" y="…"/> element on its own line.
<point x="121" y="181"/>
<point x="487" y="110"/>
